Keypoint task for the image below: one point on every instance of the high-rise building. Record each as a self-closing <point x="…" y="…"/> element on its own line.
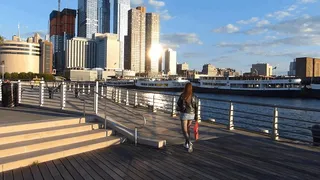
<point x="62" y="28"/>
<point x="152" y="41"/>
<point x="209" y="69"/>
<point x="261" y="69"/>
<point x="120" y="24"/>
<point x="87" y="18"/>
<point x="107" y="51"/>
<point x="307" y="67"/>
<point x="80" y="53"/>
<point x="46" y="56"/>
<point x="135" y="50"/>
<point x="104" y="16"/>
<point x="182" y="69"/>
<point x="170" y="62"/>
<point x="292" y="68"/>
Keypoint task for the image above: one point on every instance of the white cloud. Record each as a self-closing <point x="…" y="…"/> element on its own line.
<point x="262" y="23"/>
<point x="157" y="4"/>
<point x="165" y="15"/>
<point x="249" y="21"/>
<point x="292" y="7"/>
<point x="175" y="40"/>
<point x="279" y="14"/>
<point x="230" y="28"/>
<point x="137" y="2"/>
<point x="307" y="1"/>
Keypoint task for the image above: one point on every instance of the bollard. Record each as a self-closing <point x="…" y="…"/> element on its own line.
<point x="127" y="99"/>
<point x="19" y="91"/>
<point x="154" y="109"/>
<point x="41" y="93"/>
<point x="63" y="95"/>
<point x="275" y="132"/>
<point x="83" y="89"/>
<point x="136" y="100"/>
<point x="0" y="90"/>
<point x="173" y="110"/>
<point x="96" y="98"/>
<point x="199" y="110"/>
<point x="119" y="96"/>
<point x="231" y="124"/>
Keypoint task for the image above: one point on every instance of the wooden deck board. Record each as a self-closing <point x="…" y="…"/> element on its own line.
<point x="79" y="168"/>
<point x="17" y="174"/>
<point x="74" y="173"/>
<point x="26" y="172"/>
<point x="63" y="171"/>
<point x="45" y="171"/>
<point x="54" y="171"/>
<point x="88" y="168"/>
<point x="36" y="172"/>
<point x="8" y="175"/>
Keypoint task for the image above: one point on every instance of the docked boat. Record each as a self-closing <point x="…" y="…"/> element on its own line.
<point x="120" y="83"/>
<point x="268" y="87"/>
<point x="161" y="84"/>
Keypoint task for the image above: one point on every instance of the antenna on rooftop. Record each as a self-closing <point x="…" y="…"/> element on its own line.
<point x="19" y="30"/>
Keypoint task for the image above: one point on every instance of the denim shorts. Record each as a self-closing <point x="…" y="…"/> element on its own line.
<point x="187" y="116"/>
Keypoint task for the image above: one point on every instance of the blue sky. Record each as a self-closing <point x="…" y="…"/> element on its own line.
<point x="225" y="33"/>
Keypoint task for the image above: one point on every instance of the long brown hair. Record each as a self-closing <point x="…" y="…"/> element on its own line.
<point x="187" y="92"/>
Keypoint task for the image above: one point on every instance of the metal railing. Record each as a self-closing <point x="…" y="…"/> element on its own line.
<point x="276" y="121"/>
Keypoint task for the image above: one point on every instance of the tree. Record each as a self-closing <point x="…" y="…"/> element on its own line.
<point x="23" y="76"/>
<point x="1" y="39"/>
<point x="7" y="75"/>
<point x="14" y="76"/>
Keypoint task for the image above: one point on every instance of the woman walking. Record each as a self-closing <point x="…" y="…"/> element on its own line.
<point x="187" y="107"/>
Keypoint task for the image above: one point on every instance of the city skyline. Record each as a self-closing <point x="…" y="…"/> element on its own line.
<point x="271" y="32"/>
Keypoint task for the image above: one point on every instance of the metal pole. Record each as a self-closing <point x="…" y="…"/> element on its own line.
<point x="127" y="99"/>
<point x="154" y="109"/>
<point x="231" y="125"/>
<point x="89" y="88"/>
<point x="83" y="89"/>
<point x="136" y="100"/>
<point x="0" y="90"/>
<point x="102" y="93"/>
<point x="199" y="111"/>
<point x="275" y="132"/>
<point x="119" y="96"/>
<point x="96" y="97"/>
<point x="19" y="91"/>
<point x="136" y="136"/>
<point x="173" y="110"/>
<point x="105" y="113"/>
<point x="63" y="95"/>
<point x="41" y="93"/>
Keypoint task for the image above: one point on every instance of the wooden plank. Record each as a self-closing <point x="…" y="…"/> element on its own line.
<point x="103" y="167"/>
<point x="8" y="175"/>
<point x="123" y="166"/>
<point x="63" y="171"/>
<point x="138" y="166"/>
<point x="45" y="171"/>
<point x="54" y="171"/>
<point x="79" y="168"/>
<point x="36" y="172"/>
<point x="17" y="174"/>
<point x="74" y="173"/>
<point x="1" y="175"/>
<point x="26" y="172"/>
<point x="92" y="168"/>
<point x="115" y="165"/>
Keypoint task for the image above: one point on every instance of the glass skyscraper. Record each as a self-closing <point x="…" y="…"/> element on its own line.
<point x="120" y="24"/>
<point x="87" y="18"/>
<point x="104" y="16"/>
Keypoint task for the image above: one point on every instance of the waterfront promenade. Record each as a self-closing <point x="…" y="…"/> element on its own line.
<point x="219" y="154"/>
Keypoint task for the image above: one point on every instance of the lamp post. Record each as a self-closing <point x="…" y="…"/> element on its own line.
<point x="2" y="70"/>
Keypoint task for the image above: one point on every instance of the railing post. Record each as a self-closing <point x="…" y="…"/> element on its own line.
<point x="83" y="89"/>
<point x="71" y="85"/>
<point x="41" y="93"/>
<point x="88" y="89"/>
<point x="119" y="96"/>
<point x="96" y="98"/>
<point x="199" y="110"/>
<point x="127" y="99"/>
<point x="136" y="99"/>
<point x="68" y="86"/>
<point x="19" y="91"/>
<point x="63" y="95"/>
<point x="231" y="124"/>
<point x="102" y="93"/>
<point x="136" y="136"/>
<point x="275" y="132"/>
<point x="154" y="109"/>
<point x="0" y="90"/>
<point x="173" y="110"/>
<point x="115" y="94"/>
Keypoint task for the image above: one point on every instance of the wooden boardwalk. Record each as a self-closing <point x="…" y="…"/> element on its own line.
<point x="231" y="157"/>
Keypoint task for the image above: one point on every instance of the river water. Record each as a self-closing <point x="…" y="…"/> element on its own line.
<point x="293" y="124"/>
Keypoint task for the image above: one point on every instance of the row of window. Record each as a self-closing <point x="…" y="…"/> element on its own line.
<point x="21" y="53"/>
<point x="20" y="45"/>
<point x="19" y="49"/>
<point x="158" y="85"/>
<point x="255" y="85"/>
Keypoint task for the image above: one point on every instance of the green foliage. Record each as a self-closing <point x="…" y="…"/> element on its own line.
<point x="14" y="76"/>
<point x="1" y="39"/>
<point x="7" y="75"/>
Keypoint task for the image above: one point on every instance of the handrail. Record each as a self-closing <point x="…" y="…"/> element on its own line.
<point x="108" y="100"/>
